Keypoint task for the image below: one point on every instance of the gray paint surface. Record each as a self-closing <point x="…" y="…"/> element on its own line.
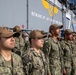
<point x="14" y="12"/>
<point x="39" y="17"/>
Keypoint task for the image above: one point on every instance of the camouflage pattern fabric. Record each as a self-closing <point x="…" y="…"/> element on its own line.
<point x="19" y="46"/>
<point x="73" y="47"/>
<point x="46" y="47"/>
<point x="66" y="46"/>
<point x="54" y="53"/>
<point x="74" y="42"/>
<point x="45" y="50"/>
<point x="27" y="45"/>
<point x="13" y="67"/>
<point x="34" y="63"/>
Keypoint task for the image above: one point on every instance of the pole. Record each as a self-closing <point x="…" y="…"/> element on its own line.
<point x="27" y="14"/>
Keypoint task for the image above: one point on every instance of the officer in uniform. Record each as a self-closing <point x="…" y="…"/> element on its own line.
<point x="10" y="63"/>
<point x="34" y="60"/>
<point x="67" y="50"/>
<point x="53" y="50"/>
<point x="73" y="48"/>
<point x="19" y="44"/>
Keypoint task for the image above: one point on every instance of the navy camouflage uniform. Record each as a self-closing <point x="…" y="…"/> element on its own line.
<point x="73" y="48"/>
<point x="66" y="47"/>
<point x="34" y="63"/>
<point x="12" y="67"/>
<point x="54" y="53"/>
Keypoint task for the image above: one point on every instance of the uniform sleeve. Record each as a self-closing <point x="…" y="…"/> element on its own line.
<point x="48" y="67"/>
<point x="62" y="45"/>
<point x="46" y="47"/>
<point x="20" y="68"/>
<point x="46" y="51"/>
<point x="17" y="65"/>
<point x="27" y="63"/>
